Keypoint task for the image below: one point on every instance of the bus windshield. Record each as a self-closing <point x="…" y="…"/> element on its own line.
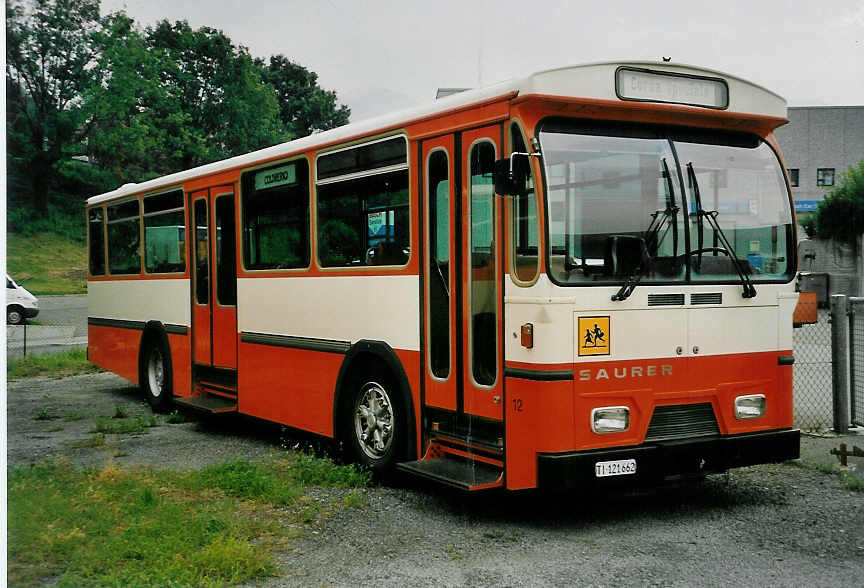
<point x="620" y="190"/>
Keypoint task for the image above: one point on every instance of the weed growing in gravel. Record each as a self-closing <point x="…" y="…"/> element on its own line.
<point x="321" y="471"/>
<point x="97" y="440"/>
<point x="245" y="479"/>
<point x="355" y="499"/>
<point x="116" y="426"/>
<point x="853" y="482"/>
<point x="64" y="363"/>
<point x="75" y="415"/>
<point x="175" y="417"/>
<point x="44" y="414"/>
<point x="825" y="468"/>
<point x="120" y="411"/>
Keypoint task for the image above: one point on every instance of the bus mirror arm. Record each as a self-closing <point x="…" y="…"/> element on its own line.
<point x="507" y="181"/>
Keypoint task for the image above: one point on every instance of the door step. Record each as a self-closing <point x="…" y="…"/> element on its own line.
<point x="460" y="473"/>
<point x="223" y="390"/>
<point x="208" y="403"/>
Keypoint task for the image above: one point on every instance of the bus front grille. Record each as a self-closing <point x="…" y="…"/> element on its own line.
<point x="682" y="421"/>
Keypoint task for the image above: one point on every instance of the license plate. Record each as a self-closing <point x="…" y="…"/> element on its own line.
<point x="620" y="467"/>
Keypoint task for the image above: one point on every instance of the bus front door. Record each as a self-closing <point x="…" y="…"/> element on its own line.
<point x="214" y="279"/>
<point x="462" y="271"/>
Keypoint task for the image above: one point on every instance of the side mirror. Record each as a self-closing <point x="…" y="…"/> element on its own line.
<point x="506" y="184"/>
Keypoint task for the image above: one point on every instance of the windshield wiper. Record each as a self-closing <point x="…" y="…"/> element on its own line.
<point x="626" y="249"/>
<point x="711" y="215"/>
<point x="653" y="238"/>
<point x="629" y="284"/>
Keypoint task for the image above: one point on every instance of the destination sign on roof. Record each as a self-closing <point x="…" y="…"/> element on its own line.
<point x="276" y="176"/>
<point x="654" y="86"/>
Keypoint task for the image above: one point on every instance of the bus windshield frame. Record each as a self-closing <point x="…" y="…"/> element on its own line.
<point x="621" y="206"/>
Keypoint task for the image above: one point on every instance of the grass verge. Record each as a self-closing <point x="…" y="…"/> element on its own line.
<point x="64" y="363"/>
<point x="47" y="263"/>
<point x="116" y="526"/>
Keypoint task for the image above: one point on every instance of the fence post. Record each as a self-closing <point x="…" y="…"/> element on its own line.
<point x="840" y="362"/>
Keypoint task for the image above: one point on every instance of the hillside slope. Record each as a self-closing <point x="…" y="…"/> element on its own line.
<point x="47" y="263"/>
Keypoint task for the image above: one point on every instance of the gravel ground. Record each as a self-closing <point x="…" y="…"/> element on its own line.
<point x="778" y="525"/>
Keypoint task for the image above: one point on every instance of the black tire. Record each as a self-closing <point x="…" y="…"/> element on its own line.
<point x="14" y="315"/>
<point x="374" y="426"/>
<point x="155" y="374"/>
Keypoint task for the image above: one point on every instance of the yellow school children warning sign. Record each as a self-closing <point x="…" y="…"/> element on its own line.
<point x="594" y="335"/>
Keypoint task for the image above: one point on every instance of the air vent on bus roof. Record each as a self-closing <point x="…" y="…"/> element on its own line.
<point x="665" y="299"/>
<point x="707" y="298"/>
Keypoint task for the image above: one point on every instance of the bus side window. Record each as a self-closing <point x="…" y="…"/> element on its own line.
<point x="124" y="238"/>
<point x="96" y="224"/>
<point x="275" y="212"/>
<point x="363" y="211"/>
<point x="164" y="233"/>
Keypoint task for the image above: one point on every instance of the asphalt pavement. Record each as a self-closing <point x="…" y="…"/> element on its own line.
<point x="61" y="324"/>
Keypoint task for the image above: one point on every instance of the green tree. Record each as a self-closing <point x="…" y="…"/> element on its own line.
<point x="304" y="107"/>
<point x="140" y="129"/>
<point x="840" y="214"/>
<point x="231" y="110"/>
<point x="50" y="59"/>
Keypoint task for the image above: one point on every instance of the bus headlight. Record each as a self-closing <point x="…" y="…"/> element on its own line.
<point x="610" y="419"/>
<point x="751" y="406"/>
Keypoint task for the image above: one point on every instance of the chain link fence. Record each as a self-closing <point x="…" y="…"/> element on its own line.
<point x="814" y="403"/>
<point x="856" y="359"/>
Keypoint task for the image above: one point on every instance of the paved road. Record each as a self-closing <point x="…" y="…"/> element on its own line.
<point x="65" y="310"/>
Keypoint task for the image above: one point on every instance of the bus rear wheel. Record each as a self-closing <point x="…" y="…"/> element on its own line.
<point x="155" y="375"/>
<point x="374" y="425"/>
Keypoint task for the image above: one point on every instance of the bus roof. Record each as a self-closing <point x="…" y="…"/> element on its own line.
<point x="595" y="81"/>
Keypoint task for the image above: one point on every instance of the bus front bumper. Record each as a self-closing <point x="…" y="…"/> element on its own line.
<point x="668" y="460"/>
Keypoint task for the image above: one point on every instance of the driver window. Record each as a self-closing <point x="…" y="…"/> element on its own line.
<point x="523" y="212"/>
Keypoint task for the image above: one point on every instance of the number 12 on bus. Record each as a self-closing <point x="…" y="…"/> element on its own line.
<point x="580" y="277"/>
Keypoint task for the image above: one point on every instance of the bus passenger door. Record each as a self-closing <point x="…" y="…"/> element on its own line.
<point x="482" y="373"/>
<point x="214" y="286"/>
<point x="441" y="272"/>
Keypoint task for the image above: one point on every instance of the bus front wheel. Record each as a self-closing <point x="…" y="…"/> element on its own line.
<point x="374" y="425"/>
<point x="155" y="376"/>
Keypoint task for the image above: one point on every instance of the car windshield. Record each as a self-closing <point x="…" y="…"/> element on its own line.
<point x="617" y="209"/>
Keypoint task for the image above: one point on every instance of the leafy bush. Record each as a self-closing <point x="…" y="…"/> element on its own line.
<point x="840" y="214"/>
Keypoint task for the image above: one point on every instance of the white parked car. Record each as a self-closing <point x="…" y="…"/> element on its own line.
<point x="20" y="304"/>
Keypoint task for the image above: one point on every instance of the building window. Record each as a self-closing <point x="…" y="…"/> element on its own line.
<point x="793" y="177"/>
<point x="825" y="176"/>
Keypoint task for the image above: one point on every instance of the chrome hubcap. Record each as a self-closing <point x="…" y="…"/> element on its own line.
<point x="373" y="420"/>
<point x="156" y="372"/>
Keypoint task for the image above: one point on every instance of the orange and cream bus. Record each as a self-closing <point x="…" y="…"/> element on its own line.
<point x="584" y="276"/>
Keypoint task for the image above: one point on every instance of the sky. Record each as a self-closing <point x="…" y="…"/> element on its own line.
<point x="384" y="54"/>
